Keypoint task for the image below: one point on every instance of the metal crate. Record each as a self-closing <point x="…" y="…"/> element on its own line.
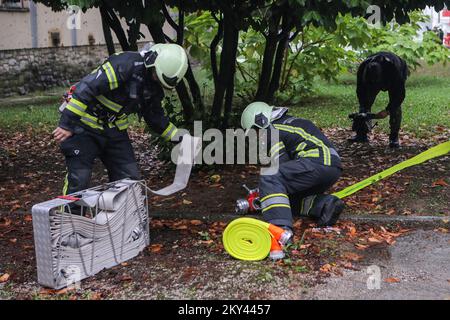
<point x="79" y="235"/>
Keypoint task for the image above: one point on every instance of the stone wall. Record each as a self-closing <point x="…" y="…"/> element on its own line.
<point x="26" y="70"/>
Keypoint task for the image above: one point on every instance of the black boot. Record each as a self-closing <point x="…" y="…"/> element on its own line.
<point x="324" y="209"/>
<point x="331" y="213"/>
<point x="394" y="144"/>
<point x="359" y="139"/>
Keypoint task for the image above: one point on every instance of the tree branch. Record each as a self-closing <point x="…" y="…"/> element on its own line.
<point x="114" y="23"/>
<point x="180" y="30"/>
<point x="213" y="51"/>
<point x="169" y="19"/>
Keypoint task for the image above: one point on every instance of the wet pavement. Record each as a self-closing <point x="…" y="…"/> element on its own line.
<point x="416" y="267"/>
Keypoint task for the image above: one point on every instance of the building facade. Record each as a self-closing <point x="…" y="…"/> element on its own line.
<point x="26" y="24"/>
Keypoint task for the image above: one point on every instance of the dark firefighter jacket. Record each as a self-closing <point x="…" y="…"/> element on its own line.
<point x="300" y="138"/>
<point x="392" y="75"/>
<point x="120" y="86"/>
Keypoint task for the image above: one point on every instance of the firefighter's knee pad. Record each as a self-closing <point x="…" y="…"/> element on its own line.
<point x="324" y="209"/>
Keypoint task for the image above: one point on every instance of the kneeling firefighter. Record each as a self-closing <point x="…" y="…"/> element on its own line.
<point x="309" y="165"/>
<point x="94" y="120"/>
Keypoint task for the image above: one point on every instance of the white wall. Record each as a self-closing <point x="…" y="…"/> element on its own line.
<point x="15" y="28"/>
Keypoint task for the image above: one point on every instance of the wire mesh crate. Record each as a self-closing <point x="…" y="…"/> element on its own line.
<point x="79" y="235"/>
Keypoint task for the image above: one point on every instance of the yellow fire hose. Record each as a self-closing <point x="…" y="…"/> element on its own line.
<point x="250" y="239"/>
<point x="247" y="239"/>
<point x="434" y="152"/>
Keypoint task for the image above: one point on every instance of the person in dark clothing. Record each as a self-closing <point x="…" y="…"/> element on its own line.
<point x="383" y="71"/>
<point x="94" y="119"/>
<point x="308" y="165"/>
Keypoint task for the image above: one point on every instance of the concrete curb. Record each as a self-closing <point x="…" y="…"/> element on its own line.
<point x="425" y="222"/>
<point x="412" y="221"/>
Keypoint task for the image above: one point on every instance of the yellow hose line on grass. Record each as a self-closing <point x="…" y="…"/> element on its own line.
<point x="247" y="239"/>
<point x="250" y="240"/>
<point x="434" y="152"/>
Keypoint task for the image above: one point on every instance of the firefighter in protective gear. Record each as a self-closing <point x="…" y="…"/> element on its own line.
<point x="94" y="121"/>
<point x="383" y="71"/>
<point x="308" y="166"/>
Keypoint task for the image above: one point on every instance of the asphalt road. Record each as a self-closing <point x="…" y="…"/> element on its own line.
<point x="416" y="267"/>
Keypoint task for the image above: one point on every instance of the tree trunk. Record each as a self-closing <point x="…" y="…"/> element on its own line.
<point x="213" y="52"/>
<point x="107" y="32"/>
<point x="226" y="71"/>
<point x="195" y="92"/>
<point x="230" y="88"/>
<point x="186" y="102"/>
<point x="277" y="67"/>
<point x="267" y="65"/>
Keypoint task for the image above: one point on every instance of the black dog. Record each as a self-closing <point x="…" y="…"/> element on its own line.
<point x="383" y="71"/>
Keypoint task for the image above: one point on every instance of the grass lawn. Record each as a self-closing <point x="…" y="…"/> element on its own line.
<point x="427" y="105"/>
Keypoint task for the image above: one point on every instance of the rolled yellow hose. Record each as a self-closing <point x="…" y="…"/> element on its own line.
<point x="247" y="239"/>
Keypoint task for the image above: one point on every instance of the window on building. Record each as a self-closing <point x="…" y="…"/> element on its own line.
<point x="55" y="39"/>
<point x="12" y="4"/>
<point x="91" y="39"/>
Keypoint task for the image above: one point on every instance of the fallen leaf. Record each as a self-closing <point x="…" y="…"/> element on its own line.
<point x="348" y="265"/>
<point x="215" y="178"/>
<point x="64" y="291"/>
<point x="352" y="232"/>
<point x="392" y="280"/>
<point x="186" y="201"/>
<point x="441" y="230"/>
<point x="126" y="277"/>
<point x="13" y="240"/>
<point x="390" y="212"/>
<point x="47" y="291"/>
<point x="375" y="240"/>
<point x="4" y="278"/>
<point x="96" y="296"/>
<point x="326" y="268"/>
<point x="15" y="207"/>
<point x="352" y="256"/>
<point x="196" y="222"/>
<point x="155" y="248"/>
<point x="28" y="218"/>
<point x="7" y="222"/>
<point x="361" y="246"/>
<point x="440" y="183"/>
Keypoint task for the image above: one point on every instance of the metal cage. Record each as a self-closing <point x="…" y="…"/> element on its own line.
<point x="79" y="235"/>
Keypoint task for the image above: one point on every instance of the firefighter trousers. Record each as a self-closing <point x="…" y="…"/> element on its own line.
<point x="81" y="150"/>
<point x="282" y="192"/>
